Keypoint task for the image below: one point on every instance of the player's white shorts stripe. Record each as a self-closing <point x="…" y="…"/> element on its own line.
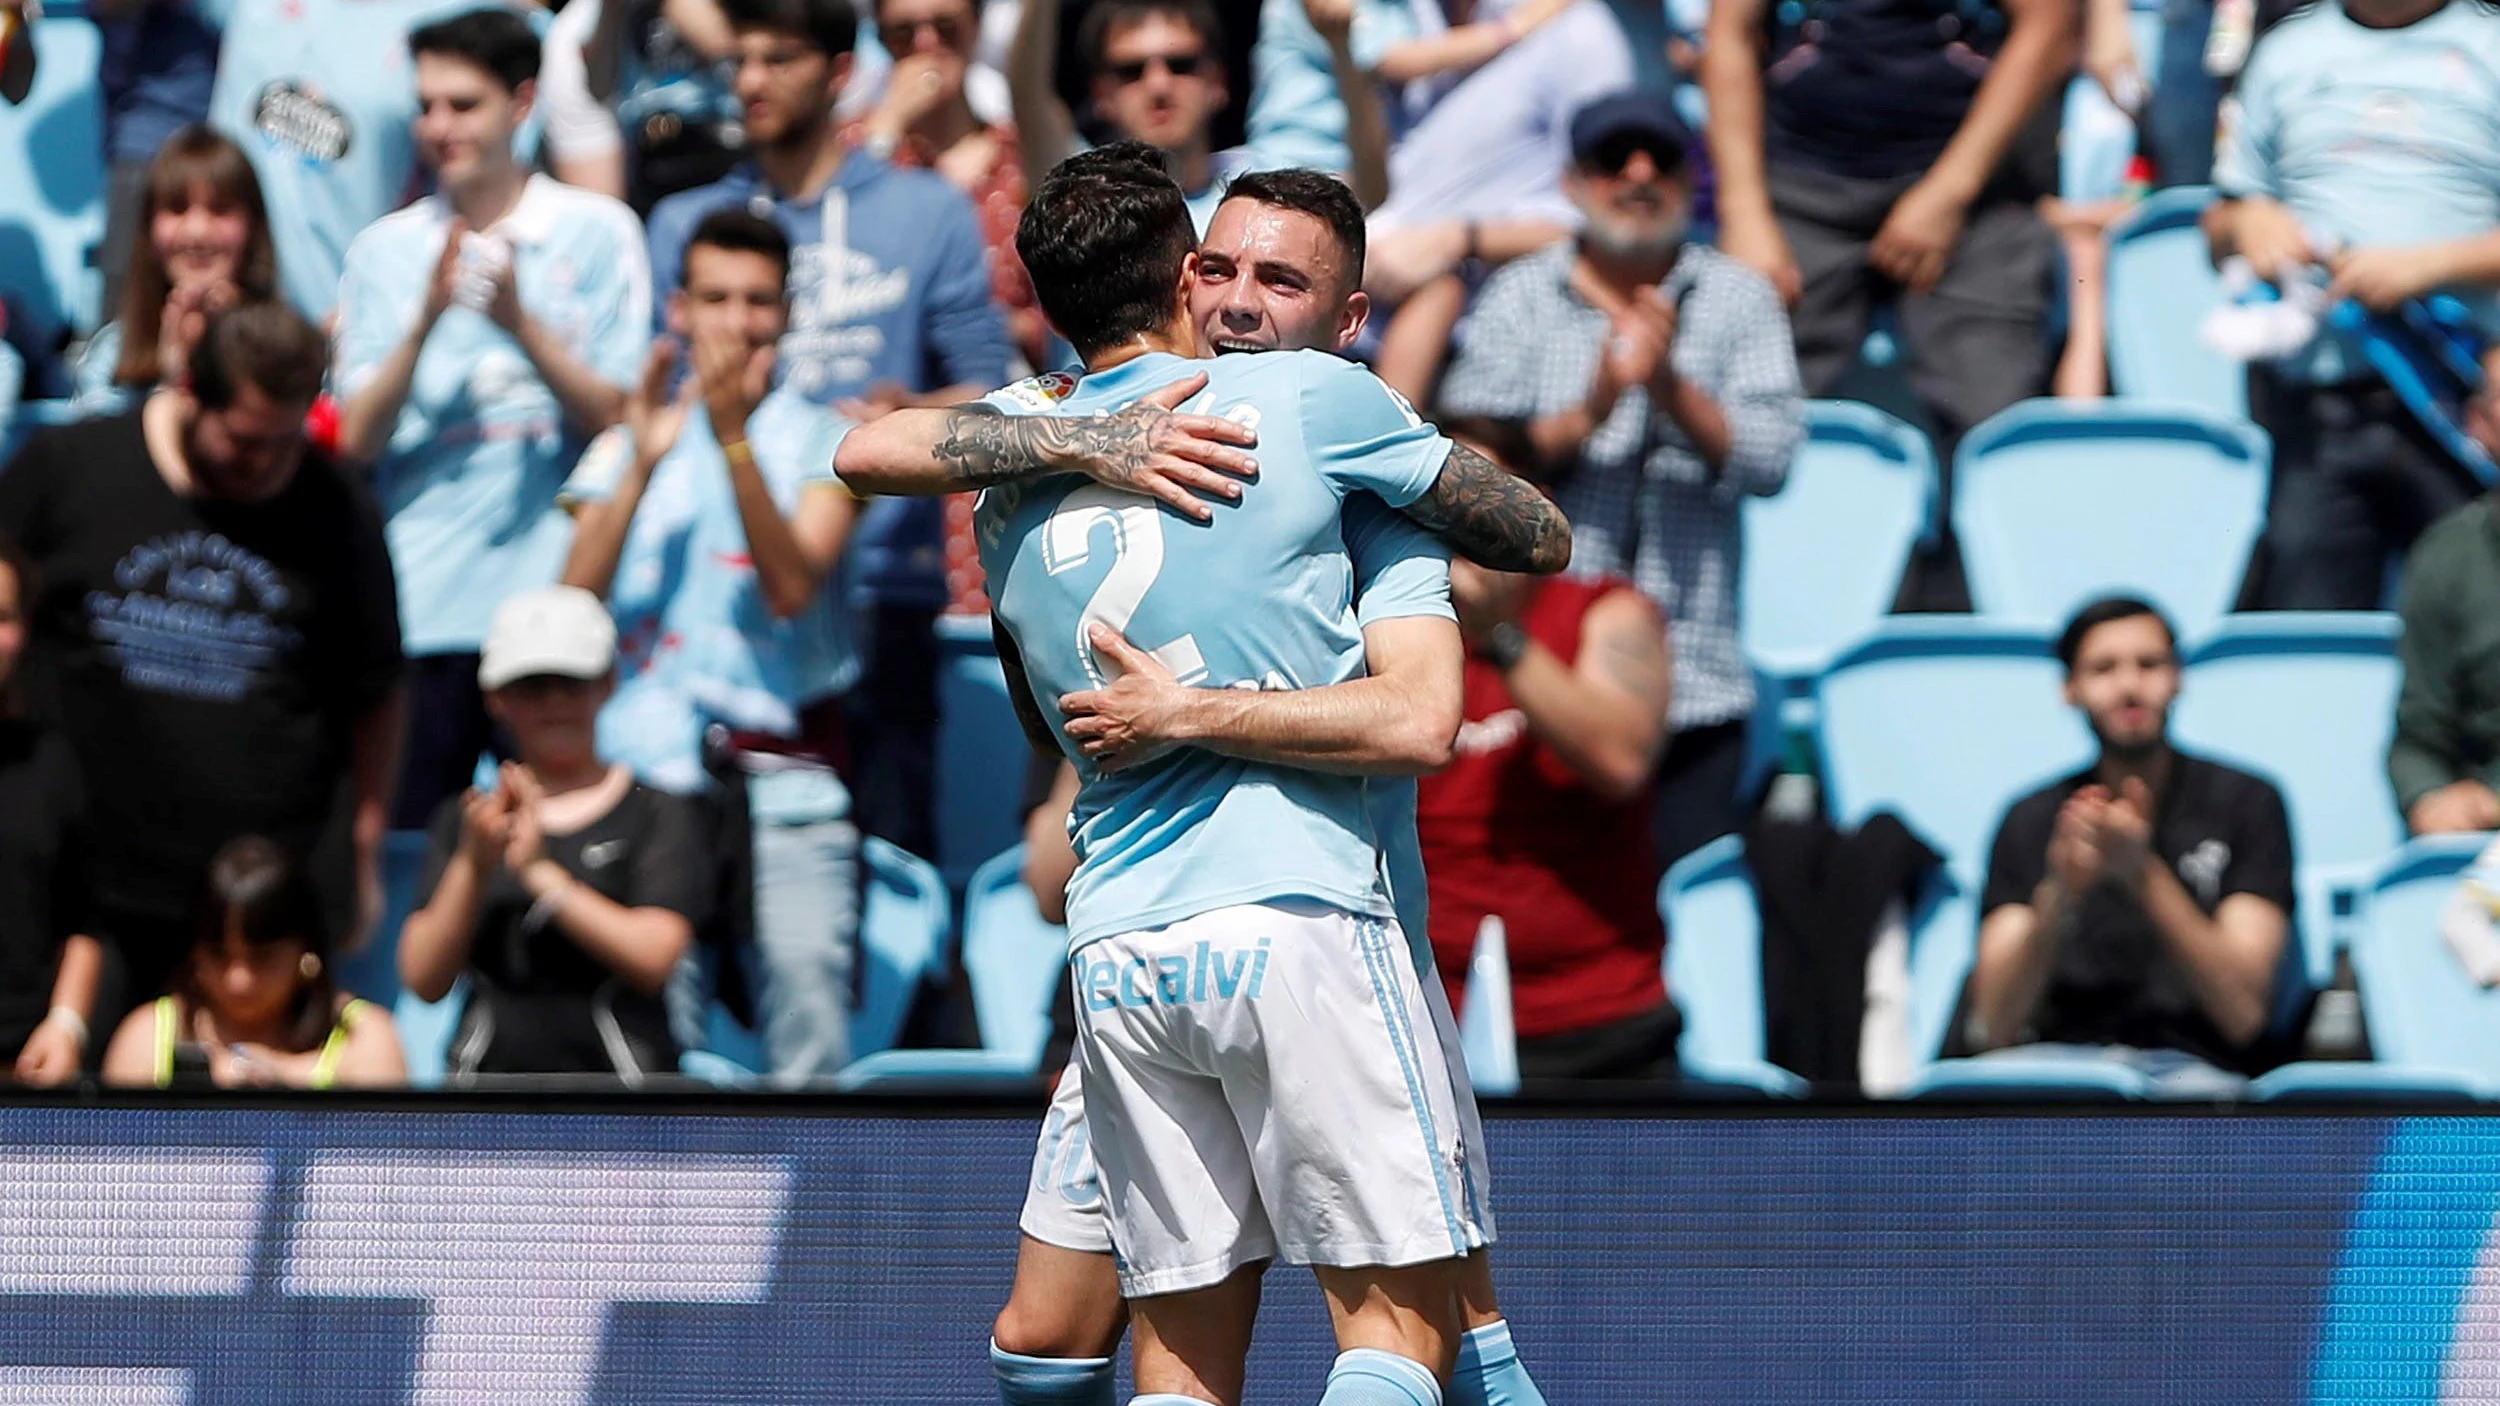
<point x="1247" y="1073"/>
<point x="1402" y="1039"/>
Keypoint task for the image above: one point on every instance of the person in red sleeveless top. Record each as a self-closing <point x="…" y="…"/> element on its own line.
<point x="1542" y="820"/>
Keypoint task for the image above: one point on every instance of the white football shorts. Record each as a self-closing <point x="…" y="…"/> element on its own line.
<point x="1263" y="1081"/>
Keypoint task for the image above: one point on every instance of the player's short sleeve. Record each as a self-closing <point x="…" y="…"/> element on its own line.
<point x="1361" y="435"/>
<point x="1034" y="395"/>
<point x="1400" y="572"/>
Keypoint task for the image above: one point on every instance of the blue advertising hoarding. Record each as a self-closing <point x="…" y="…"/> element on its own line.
<point x="295" y="1252"/>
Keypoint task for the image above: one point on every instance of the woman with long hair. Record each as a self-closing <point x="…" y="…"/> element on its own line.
<point x="49" y="966"/>
<point x="257" y="1004"/>
<point x="202" y="245"/>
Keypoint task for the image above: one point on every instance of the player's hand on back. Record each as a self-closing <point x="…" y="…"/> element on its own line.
<point x="1132" y="719"/>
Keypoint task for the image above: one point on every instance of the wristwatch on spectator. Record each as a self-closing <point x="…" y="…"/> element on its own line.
<point x="1504" y="645"/>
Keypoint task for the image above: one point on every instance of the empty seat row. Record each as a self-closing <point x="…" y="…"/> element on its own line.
<point x="2055" y="502"/>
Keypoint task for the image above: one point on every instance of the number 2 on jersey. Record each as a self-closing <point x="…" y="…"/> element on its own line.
<point x="1136" y="560"/>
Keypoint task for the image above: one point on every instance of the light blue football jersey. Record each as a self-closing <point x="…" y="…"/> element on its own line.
<point x="469" y="481"/>
<point x="1399" y="573"/>
<point x="1260" y="597"/>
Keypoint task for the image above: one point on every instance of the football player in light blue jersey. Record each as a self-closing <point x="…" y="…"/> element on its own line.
<point x="1281" y="267"/>
<point x="1244" y="627"/>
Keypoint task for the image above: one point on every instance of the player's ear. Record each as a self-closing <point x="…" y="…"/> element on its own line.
<point x="1352" y="315"/>
<point x="1189" y="280"/>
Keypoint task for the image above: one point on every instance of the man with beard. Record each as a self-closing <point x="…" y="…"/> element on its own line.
<point x="2136" y="910"/>
<point x="1280" y="269"/>
<point x="1660" y="388"/>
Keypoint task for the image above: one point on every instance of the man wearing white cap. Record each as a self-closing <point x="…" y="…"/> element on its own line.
<point x="569" y="892"/>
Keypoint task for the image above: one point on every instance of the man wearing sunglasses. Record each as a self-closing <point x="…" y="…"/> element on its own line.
<point x="1661" y="390"/>
<point x="1157" y="76"/>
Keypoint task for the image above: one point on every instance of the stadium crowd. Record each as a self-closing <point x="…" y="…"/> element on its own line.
<point x="455" y="457"/>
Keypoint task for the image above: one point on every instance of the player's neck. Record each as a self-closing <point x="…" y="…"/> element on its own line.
<point x="1178" y="339"/>
<point x="489" y="195"/>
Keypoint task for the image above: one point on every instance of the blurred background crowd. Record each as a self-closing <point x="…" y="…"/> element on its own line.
<point x="2029" y="461"/>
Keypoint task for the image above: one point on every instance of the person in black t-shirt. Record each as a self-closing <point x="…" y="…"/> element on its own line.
<point x="48" y="965"/>
<point x="2139" y="907"/>
<point x="570" y="891"/>
<point x="216" y="635"/>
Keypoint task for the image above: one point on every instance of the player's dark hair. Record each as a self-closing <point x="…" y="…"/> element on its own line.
<point x="1093" y="33"/>
<point x="740" y="231"/>
<point x="261" y="893"/>
<point x="2109" y="610"/>
<point x="1314" y="193"/>
<point x="832" y="26"/>
<point x="268" y="345"/>
<point x="494" y="39"/>
<point x="1105" y="239"/>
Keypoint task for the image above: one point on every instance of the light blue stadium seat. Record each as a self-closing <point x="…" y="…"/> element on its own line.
<point x="933" y="1071"/>
<point x="2308" y="701"/>
<point x="2424" y="1012"/>
<point x="1824" y="556"/>
<point x="2027" y="1079"/>
<point x="1945" y="721"/>
<point x="52" y="183"/>
<point x="1714" y="964"/>
<point x="372" y="971"/>
<point x="902" y="940"/>
<point x="1014" y="958"/>
<point x="1714" y="969"/>
<point x="982" y="754"/>
<point x="2161" y="287"/>
<point x="425" y="1031"/>
<point x="2365" y="1081"/>
<point x="2057" y="502"/>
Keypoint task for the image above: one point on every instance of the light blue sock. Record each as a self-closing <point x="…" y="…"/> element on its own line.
<point x="1366" y="1376"/>
<point x="1051" y="1381"/>
<point x="1489" y="1372"/>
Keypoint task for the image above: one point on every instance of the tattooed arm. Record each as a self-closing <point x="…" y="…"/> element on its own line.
<point x="1493" y="517"/>
<point x="1149" y="448"/>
